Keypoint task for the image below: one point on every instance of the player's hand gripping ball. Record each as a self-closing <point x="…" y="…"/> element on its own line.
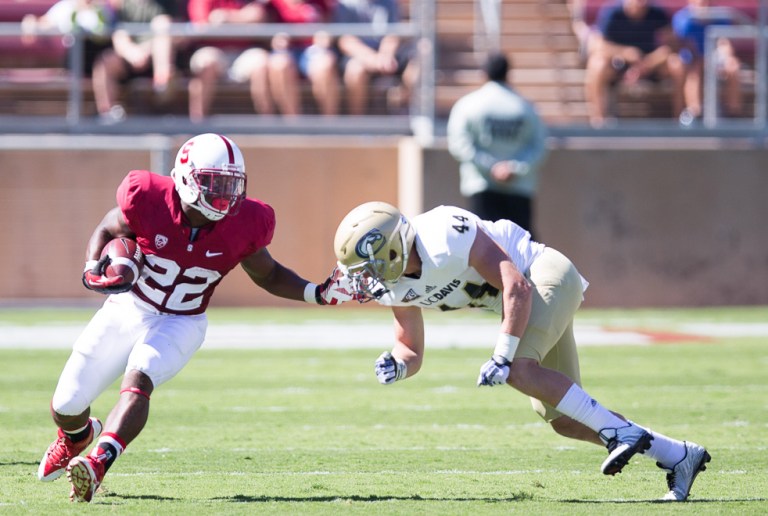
<point x="117" y="270"/>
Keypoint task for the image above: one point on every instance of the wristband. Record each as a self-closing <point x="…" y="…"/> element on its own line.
<point x="310" y="296"/>
<point x="90" y="264"/>
<point x="506" y="345"/>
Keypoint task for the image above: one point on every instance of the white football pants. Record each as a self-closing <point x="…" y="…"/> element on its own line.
<point x="122" y="336"/>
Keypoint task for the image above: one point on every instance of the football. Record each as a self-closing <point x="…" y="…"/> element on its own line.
<point x="125" y="259"/>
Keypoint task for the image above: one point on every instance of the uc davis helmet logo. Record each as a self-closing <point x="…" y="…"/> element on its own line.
<point x="373" y="241"/>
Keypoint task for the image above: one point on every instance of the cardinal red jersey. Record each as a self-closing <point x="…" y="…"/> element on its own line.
<point x="200" y="10"/>
<point x="182" y="269"/>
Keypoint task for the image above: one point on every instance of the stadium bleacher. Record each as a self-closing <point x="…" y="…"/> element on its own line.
<point x="548" y="67"/>
<point x="652" y="100"/>
<point x="34" y="79"/>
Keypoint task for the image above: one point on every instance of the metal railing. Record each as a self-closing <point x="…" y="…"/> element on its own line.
<point x="420" y="28"/>
<point x="710" y="107"/>
<point x="758" y="33"/>
<point x="487" y="25"/>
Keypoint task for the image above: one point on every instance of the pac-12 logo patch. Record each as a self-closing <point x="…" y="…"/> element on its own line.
<point x="370" y="243"/>
<point x="160" y="241"/>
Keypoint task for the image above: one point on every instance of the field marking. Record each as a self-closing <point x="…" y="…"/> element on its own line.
<point x="335" y="335"/>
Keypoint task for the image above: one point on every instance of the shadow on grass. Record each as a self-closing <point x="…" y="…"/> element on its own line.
<point x="518" y="497"/>
<point x="138" y="497"/>
<point x="656" y="500"/>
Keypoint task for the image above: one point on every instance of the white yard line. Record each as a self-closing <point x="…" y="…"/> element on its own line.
<point x="334" y="335"/>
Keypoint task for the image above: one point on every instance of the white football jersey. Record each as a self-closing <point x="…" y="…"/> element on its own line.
<point x="444" y="237"/>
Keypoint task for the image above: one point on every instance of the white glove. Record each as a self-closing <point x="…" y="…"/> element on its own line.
<point x="389" y="369"/>
<point x="335" y="290"/>
<point x="494" y="372"/>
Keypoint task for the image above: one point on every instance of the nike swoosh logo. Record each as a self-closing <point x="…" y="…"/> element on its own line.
<point x="209" y="254"/>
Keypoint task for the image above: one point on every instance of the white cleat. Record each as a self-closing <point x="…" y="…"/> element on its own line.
<point x="680" y="478"/>
<point x="623" y="443"/>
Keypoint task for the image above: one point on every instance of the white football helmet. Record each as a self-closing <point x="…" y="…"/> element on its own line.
<point x="209" y="175"/>
<point x="372" y="244"/>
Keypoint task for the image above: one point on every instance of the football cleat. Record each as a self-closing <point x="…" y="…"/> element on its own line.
<point x="680" y="478"/>
<point x="85" y="474"/>
<point x="623" y="443"/>
<point x="63" y="450"/>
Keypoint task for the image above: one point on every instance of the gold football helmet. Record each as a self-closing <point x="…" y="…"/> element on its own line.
<point x="372" y="244"/>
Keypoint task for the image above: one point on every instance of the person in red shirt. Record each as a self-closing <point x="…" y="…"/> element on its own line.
<point x="193" y="227"/>
<point x="295" y="58"/>
<point x="242" y="60"/>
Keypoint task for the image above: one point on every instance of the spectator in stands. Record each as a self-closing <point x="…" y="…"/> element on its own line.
<point x="136" y="55"/>
<point x="95" y="18"/>
<point x="689" y="24"/>
<point x="241" y="60"/>
<point x="500" y="142"/>
<point x="632" y="40"/>
<point x="311" y="58"/>
<point x="364" y="57"/>
<point x="581" y="29"/>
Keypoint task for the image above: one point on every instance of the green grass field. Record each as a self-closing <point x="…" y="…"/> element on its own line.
<point x="312" y="432"/>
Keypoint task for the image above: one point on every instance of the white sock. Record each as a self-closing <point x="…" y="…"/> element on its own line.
<point x="578" y="405"/>
<point x="664" y="450"/>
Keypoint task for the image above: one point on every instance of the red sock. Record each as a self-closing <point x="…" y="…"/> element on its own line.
<point x="108" y="449"/>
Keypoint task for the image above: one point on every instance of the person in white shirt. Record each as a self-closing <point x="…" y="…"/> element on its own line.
<point x="500" y="142"/>
<point x="448" y="258"/>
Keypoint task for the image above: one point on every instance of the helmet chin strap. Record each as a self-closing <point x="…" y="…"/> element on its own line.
<point x="207" y="214"/>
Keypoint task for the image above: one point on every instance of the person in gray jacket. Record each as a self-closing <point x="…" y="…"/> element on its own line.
<point x="500" y="141"/>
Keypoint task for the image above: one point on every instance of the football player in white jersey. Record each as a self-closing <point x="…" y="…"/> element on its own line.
<point x="446" y="259"/>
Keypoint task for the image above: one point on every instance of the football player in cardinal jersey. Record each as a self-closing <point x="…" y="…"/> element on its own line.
<point x="448" y="258"/>
<point x="193" y="228"/>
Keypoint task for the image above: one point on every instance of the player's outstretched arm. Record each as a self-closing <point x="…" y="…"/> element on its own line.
<point x="497" y="269"/>
<point x="281" y="281"/>
<point x="274" y="277"/>
<point x="405" y="358"/>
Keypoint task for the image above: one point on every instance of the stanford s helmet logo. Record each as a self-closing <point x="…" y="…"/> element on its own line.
<point x="370" y="244"/>
<point x="184" y="158"/>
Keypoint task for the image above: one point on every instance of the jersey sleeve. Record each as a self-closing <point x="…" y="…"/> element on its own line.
<point x="262" y="224"/>
<point x="268" y="225"/>
<point x="128" y="195"/>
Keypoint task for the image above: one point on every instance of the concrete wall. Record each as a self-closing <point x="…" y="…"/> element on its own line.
<point x="650" y="224"/>
<point x="661" y="227"/>
<point x="646" y="226"/>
